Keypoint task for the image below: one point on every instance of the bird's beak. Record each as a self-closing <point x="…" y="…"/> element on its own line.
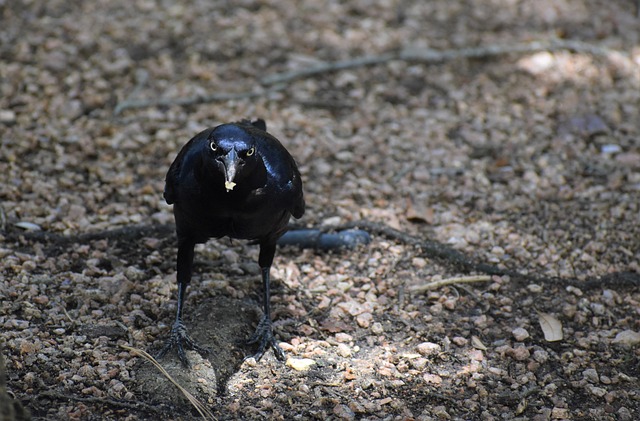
<point x="230" y="162"/>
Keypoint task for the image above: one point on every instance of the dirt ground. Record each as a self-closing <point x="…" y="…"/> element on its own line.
<point x="525" y="160"/>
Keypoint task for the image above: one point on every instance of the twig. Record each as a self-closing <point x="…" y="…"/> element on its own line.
<point x="280" y="81"/>
<point x="99" y="400"/>
<point x="289" y="76"/>
<point x="431" y="249"/>
<point x="200" y="407"/>
<point x="194" y="100"/>
<point x="3" y="219"/>
<point x="449" y="281"/>
<point x="431" y="56"/>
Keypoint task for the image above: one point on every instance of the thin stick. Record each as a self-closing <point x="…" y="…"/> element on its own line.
<point x="200" y="407"/>
<point x="194" y="100"/>
<point x="280" y="81"/>
<point x="449" y="281"/>
<point x="430" y="56"/>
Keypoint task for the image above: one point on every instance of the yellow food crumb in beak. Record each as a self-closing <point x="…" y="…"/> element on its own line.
<point x="229" y="185"/>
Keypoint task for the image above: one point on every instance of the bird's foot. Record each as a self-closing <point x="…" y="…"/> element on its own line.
<point x="263" y="336"/>
<point x="179" y="339"/>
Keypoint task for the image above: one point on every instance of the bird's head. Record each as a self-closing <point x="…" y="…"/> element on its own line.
<point x="234" y="154"/>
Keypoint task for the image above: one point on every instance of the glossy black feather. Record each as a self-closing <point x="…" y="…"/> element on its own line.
<point x="259" y="209"/>
<point x="264" y="191"/>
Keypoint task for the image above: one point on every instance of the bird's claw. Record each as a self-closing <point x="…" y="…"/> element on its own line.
<point x="263" y="336"/>
<point x="179" y="339"/>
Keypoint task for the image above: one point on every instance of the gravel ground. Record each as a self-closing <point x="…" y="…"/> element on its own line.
<point x="528" y="162"/>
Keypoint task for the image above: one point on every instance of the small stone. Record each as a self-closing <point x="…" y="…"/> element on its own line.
<point x="418" y="262"/>
<point x="344" y="350"/>
<point x="364" y="320"/>
<point x="432" y="378"/>
<point x="300" y="364"/>
<point x="343" y="337"/>
<point x="428" y="348"/>
<point x="459" y="340"/>
<point x="377" y="328"/>
<point x="540" y="356"/>
<point x="597" y="391"/>
<point x="343" y="412"/>
<point x="591" y="375"/>
<point x="7" y="117"/>
<point x="41" y="299"/>
<point x="627" y="339"/>
<point x="519" y="353"/>
<point x="610" y="148"/>
<point x="597" y="308"/>
<point x="419" y="363"/>
<point x="560" y="414"/>
<point x="535" y="288"/>
<point x="624" y="414"/>
<point x="520" y="334"/>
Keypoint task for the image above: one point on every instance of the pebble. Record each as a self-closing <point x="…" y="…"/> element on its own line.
<point x="627" y="339"/>
<point x="459" y="340"/>
<point x="377" y="329"/>
<point x="343" y="337"/>
<point x="428" y="348"/>
<point x="597" y="391"/>
<point x="520" y="334"/>
<point x="343" y="412"/>
<point x="7" y="117"/>
<point x="419" y="262"/>
<point x="535" y="288"/>
<point x="541" y="356"/>
<point x="344" y="350"/>
<point x="610" y="149"/>
<point x="364" y="320"/>
<point x="432" y="378"/>
<point x="300" y="364"/>
<point x="591" y="375"/>
<point x="419" y="363"/>
<point x="519" y="353"/>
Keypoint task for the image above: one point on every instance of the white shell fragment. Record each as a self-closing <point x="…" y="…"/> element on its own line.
<point x="300" y="364"/>
<point x="29" y="226"/>
<point x="229" y="185"/>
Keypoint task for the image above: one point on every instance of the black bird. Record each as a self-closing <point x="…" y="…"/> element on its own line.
<point x="238" y="181"/>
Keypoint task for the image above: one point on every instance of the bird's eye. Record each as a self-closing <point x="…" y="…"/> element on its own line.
<point x="213" y="146"/>
<point x="251" y="151"/>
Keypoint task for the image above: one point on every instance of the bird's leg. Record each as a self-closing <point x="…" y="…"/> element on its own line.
<point x="263" y="335"/>
<point x="179" y="337"/>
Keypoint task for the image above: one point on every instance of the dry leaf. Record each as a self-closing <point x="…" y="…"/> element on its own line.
<point x="551" y="327"/>
<point x="28" y="226"/>
<point x="477" y="343"/>
<point x="419" y="212"/>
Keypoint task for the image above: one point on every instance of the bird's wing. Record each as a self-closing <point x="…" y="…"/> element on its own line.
<point x="172" y="178"/>
<point x="297" y="203"/>
<point x="283" y="168"/>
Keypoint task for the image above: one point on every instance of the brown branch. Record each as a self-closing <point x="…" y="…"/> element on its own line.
<point x="449" y="281"/>
<point x="280" y="81"/>
<point x="194" y="100"/>
<point x="431" y="56"/>
<point x="429" y="248"/>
